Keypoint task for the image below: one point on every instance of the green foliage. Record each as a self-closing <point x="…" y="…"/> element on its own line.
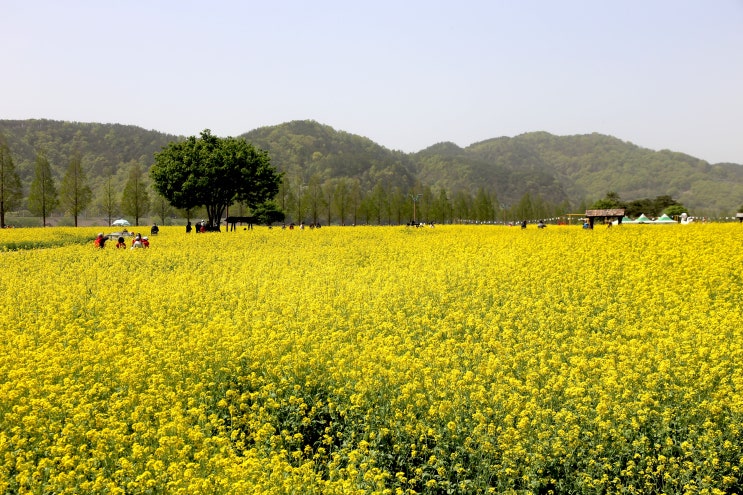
<point x="214" y="172"/>
<point x="639" y="206"/>
<point x="75" y="192"/>
<point x="43" y="197"/>
<point x="633" y="209"/>
<point x="303" y="149"/>
<point x="612" y="200"/>
<point x="268" y="213"/>
<point x="135" y="200"/>
<point x="108" y="202"/>
<point x="553" y="170"/>
<point x="675" y="210"/>
<point x="11" y="190"/>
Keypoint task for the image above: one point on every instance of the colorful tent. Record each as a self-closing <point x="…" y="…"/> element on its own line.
<point x="665" y="219"/>
<point x="642" y="219"/>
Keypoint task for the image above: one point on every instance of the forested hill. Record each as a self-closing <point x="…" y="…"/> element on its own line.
<point x="303" y="149"/>
<point x="583" y="166"/>
<point x="107" y="149"/>
<point x="557" y="169"/>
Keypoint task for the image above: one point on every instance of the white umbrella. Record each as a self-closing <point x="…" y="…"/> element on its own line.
<point x="121" y="223"/>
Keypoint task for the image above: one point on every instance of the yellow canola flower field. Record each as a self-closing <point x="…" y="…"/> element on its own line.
<point x="385" y="360"/>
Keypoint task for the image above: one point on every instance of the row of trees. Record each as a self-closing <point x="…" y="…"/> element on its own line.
<point x="216" y="174"/>
<point x="73" y="194"/>
<point x="343" y="201"/>
<point x="210" y="175"/>
<point x="651" y="207"/>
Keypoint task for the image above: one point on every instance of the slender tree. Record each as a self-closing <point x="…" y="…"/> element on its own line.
<point x="424" y="205"/>
<point x="524" y="210"/>
<point x="108" y="200"/>
<point x="377" y="203"/>
<point x="299" y="201"/>
<point x="161" y="207"/>
<point x="75" y="192"/>
<point x="397" y="203"/>
<point x="42" y="197"/>
<point x="484" y="209"/>
<point x="315" y="197"/>
<point x="328" y="193"/>
<point x="355" y="197"/>
<point x="342" y="199"/>
<point x="462" y="206"/>
<point x="441" y="210"/>
<point x="135" y="200"/>
<point x="283" y="196"/>
<point x="11" y="190"/>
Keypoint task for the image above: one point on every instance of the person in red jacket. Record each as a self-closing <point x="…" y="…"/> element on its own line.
<point x="100" y="241"/>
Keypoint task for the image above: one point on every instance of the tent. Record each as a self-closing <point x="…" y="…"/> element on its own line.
<point x="642" y="219"/>
<point x="627" y="219"/>
<point x="120" y="223"/>
<point x="665" y="219"/>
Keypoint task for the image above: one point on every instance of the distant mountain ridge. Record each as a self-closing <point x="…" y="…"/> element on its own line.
<point x="559" y="169"/>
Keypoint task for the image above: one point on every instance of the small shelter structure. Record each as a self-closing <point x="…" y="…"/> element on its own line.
<point x="611" y="214"/>
<point x="739" y="216"/>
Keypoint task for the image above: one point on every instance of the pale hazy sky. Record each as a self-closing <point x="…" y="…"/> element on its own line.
<point x="663" y="74"/>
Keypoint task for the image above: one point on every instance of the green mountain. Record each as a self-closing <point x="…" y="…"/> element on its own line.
<point x="105" y="148"/>
<point x="582" y="167"/>
<point x="303" y="149"/>
<point x="557" y="169"/>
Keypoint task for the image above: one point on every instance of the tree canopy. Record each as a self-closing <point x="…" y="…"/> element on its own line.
<point x="214" y="172"/>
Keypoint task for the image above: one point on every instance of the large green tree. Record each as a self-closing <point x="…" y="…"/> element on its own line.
<point x="214" y="172"/>
<point x="11" y="190"/>
<point x="42" y="197"/>
<point x="75" y="192"/>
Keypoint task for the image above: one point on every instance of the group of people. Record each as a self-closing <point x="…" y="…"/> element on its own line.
<point x="200" y="227"/>
<point x="137" y="241"/>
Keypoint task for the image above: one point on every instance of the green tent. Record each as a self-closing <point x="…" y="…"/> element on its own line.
<point x="665" y="219"/>
<point x="642" y="219"/>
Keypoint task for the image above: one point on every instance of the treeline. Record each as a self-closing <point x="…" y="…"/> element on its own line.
<point x="70" y="173"/>
<point x="72" y="194"/>
<point x="331" y="176"/>
<point x="652" y="207"/>
<point x="342" y="201"/>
